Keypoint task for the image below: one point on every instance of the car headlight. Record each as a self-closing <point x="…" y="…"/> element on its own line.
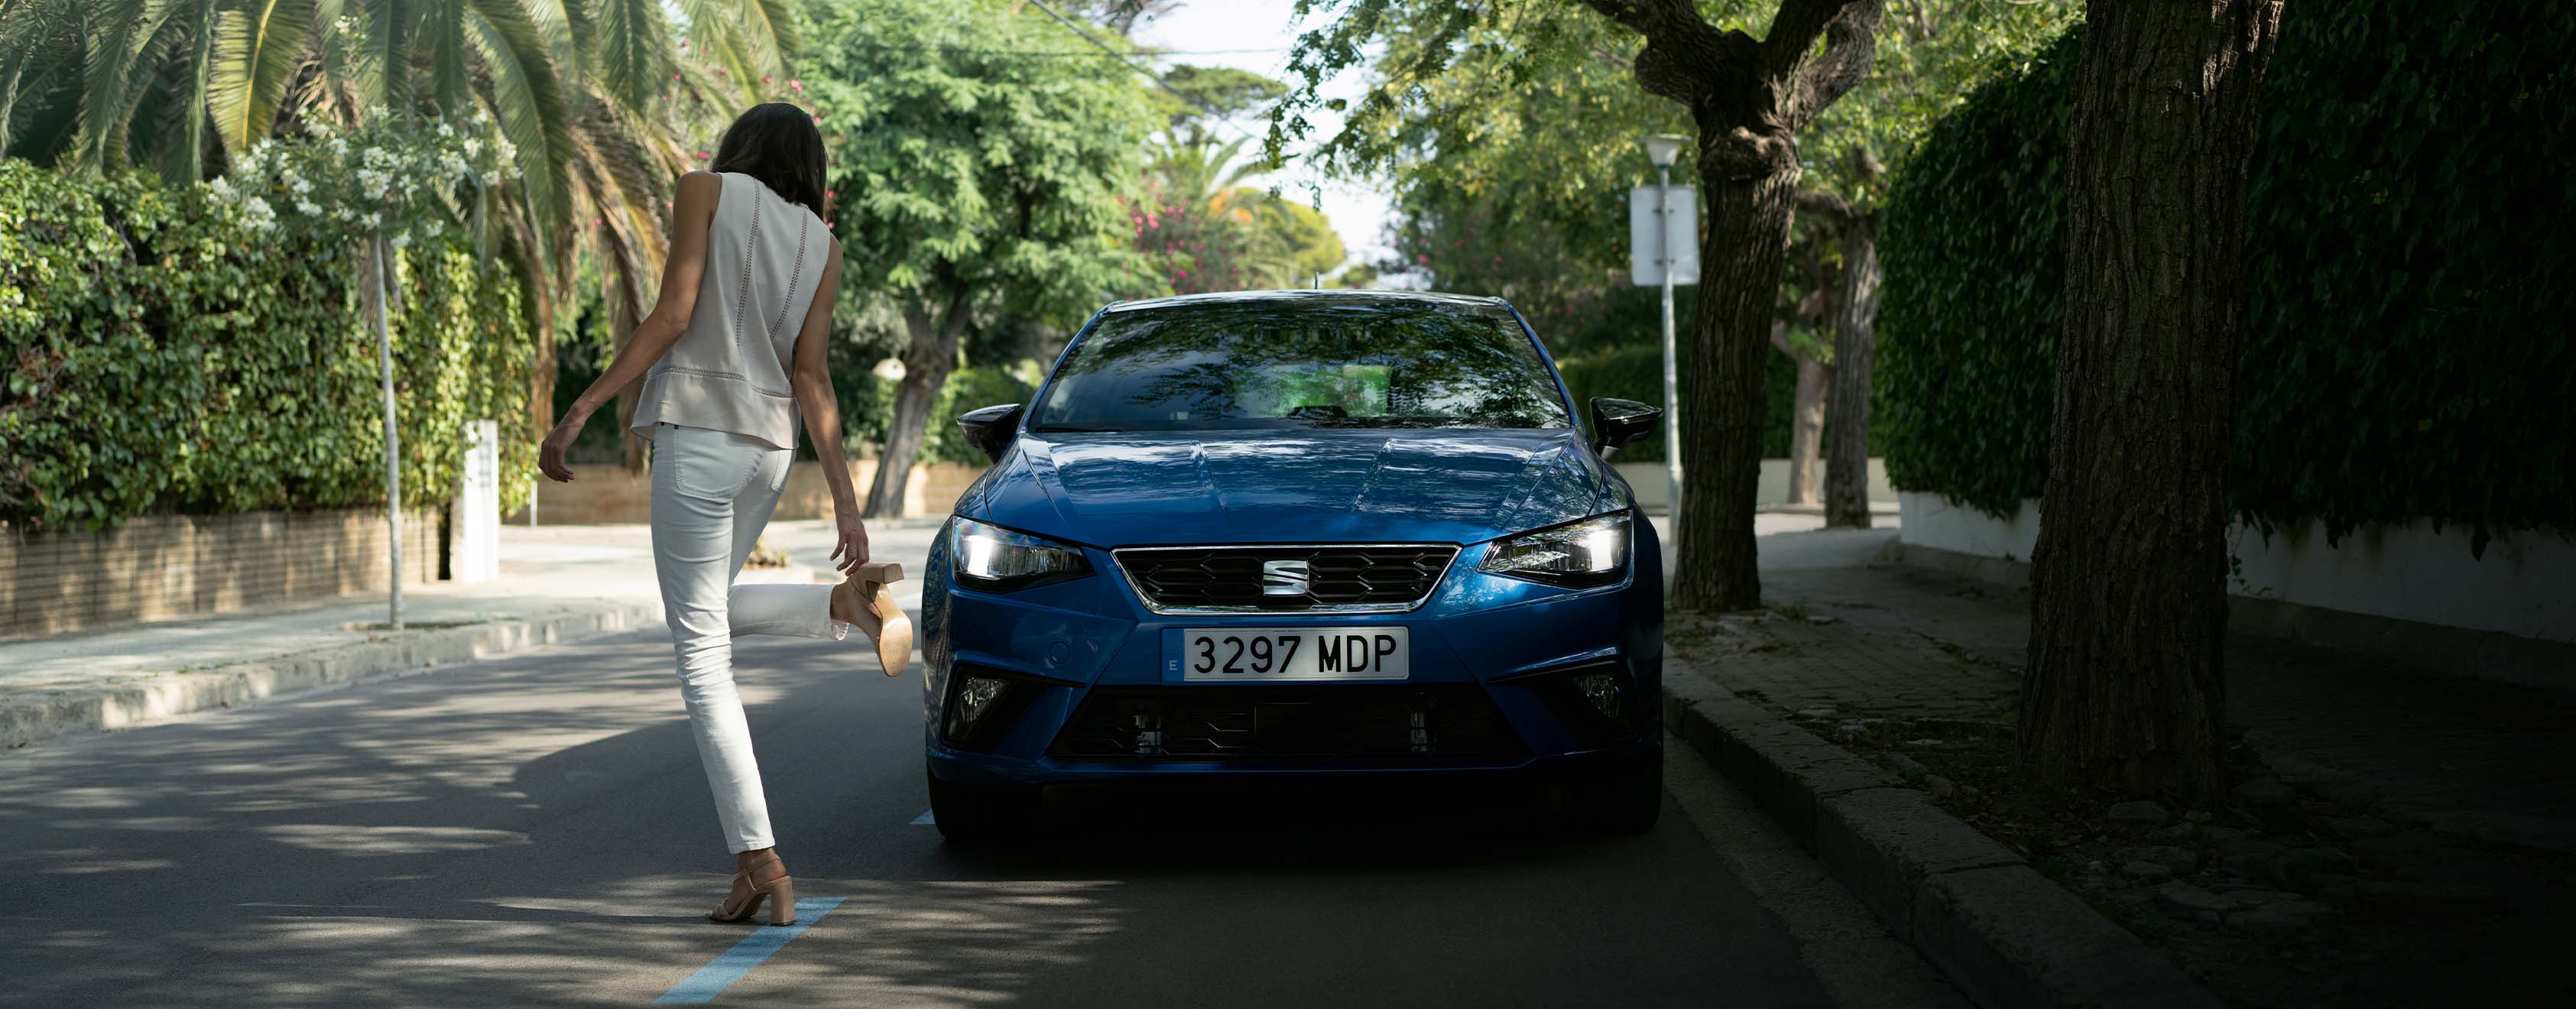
<point x="995" y="559"/>
<point x="1591" y="551"/>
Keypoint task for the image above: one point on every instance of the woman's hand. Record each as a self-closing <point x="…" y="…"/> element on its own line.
<point x="851" y="550"/>
<point x="550" y="454"/>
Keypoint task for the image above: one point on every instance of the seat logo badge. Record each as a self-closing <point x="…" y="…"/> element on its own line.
<point x="1283" y="578"/>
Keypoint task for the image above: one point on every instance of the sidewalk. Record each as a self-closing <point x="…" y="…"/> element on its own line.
<point x="2374" y="799"/>
<point x="557" y="583"/>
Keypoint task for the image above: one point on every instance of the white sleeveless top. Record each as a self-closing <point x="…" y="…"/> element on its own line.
<point x="765" y="257"/>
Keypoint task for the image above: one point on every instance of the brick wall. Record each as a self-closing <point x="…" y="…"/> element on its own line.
<point x="605" y="494"/>
<point x="162" y="566"/>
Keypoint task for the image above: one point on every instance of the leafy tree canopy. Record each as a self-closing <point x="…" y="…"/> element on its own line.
<point x="959" y="170"/>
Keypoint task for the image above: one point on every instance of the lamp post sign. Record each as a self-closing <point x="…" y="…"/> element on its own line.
<point x="1663" y="249"/>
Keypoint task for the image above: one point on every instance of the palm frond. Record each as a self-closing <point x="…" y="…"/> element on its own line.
<point x="528" y="102"/>
<point x="449" y="76"/>
<point x="634" y="55"/>
<point x="256" y="50"/>
<point x="116" y="31"/>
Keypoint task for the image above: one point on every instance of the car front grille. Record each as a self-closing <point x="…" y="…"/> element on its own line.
<point x="1392" y="724"/>
<point x="1373" y="578"/>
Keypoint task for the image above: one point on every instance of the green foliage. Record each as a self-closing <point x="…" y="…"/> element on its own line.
<point x="1930" y="55"/>
<point x="164" y="353"/>
<point x="2412" y="251"/>
<point x="960" y="170"/>
<point x="1975" y="248"/>
<point x="2410" y="278"/>
<point x="969" y="389"/>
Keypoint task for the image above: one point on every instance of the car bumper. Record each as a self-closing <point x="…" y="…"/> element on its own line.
<point x="1488" y="695"/>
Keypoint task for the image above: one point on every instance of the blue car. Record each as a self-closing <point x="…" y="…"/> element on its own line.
<point x="1296" y="534"/>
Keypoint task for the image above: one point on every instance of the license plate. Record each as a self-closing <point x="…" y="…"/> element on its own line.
<point x="1270" y="654"/>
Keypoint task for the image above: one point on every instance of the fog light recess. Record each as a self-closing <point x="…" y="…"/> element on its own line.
<point x="975" y="697"/>
<point x="1602" y="689"/>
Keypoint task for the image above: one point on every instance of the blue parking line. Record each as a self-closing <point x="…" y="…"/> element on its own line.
<point x="923" y="820"/>
<point x="729" y="966"/>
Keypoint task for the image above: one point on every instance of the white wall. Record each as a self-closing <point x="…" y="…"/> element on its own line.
<point x="2524" y="585"/>
<point x="1647" y="476"/>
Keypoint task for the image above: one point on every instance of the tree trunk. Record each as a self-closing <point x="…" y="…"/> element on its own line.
<point x="1740" y="255"/>
<point x="1855" y="340"/>
<point x="1807" y="426"/>
<point x="2128" y="605"/>
<point x="928" y="359"/>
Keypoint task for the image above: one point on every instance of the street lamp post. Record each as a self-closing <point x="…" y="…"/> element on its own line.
<point x="1663" y="149"/>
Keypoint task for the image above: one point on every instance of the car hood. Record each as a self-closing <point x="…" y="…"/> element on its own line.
<point x="1302" y="485"/>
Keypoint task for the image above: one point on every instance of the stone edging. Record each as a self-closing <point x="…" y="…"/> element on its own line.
<point x="2007" y="936"/>
<point x="28" y="719"/>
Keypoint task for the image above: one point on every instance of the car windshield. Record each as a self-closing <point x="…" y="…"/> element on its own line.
<point x="1259" y="364"/>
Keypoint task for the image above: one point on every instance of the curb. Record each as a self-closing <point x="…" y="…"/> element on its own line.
<point x="2009" y="937"/>
<point x="31" y="719"/>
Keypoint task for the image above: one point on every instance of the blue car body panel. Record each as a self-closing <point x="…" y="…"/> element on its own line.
<point x="1468" y="487"/>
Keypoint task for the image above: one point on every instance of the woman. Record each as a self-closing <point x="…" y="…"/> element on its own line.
<point x="725" y="378"/>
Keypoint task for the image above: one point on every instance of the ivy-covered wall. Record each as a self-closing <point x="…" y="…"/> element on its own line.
<point x="2411" y="232"/>
<point x="164" y="356"/>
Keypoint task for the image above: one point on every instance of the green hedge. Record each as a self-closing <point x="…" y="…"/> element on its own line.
<point x="164" y="357"/>
<point x="1637" y="373"/>
<point x="1975" y="250"/>
<point x="2410" y="277"/>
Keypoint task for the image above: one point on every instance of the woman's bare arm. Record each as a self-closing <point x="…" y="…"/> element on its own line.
<point x="693" y="210"/>
<point x="811" y="378"/>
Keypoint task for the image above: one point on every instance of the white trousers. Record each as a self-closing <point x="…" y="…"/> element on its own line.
<point x="713" y="491"/>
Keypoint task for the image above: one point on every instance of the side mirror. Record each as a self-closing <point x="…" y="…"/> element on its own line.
<point x="1616" y="422"/>
<point x="990" y="428"/>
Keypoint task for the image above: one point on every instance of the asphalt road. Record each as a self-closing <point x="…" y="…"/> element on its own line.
<point x="536" y="830"/>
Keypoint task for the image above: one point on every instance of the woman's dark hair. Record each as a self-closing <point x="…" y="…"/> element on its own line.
<point x="777" y="143"/>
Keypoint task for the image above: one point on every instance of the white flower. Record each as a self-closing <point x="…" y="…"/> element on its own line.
<point x="445" y="130"/>
<point x="308" y="208"/>
<point x="453" y="165"/>
<point x="340" y="148"/>
<point x="504" y="149"/>
<point x="402" y="239"/>
<point x="222" y="189"/>
<point x="344" y="214"/>
<point x="294" y="183"/>
<point x="473" y="146"/>
<point x="370" y="219"/>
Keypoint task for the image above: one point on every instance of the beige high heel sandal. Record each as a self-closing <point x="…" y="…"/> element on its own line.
<point x="878" y="616"/>
<point x="780" y="894"/>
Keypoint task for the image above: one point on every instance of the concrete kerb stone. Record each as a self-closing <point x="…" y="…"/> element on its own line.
<point x="2006" y="935"/>
<point x="1787" y="770"/>
<point x="1883" y="843"/>
<point x="32" y="719"/>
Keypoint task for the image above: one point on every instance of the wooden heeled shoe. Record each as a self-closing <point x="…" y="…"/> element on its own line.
<point x="780" y="894"/>
<point x="877" y="614"/>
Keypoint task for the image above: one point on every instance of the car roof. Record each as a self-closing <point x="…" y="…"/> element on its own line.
<point x="1311" y="297"/>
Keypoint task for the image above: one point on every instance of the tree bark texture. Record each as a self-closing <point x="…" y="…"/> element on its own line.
<point x="1807" y="427"/>
<point x="2128" y="605"/>
<point x="1740" y="257"/>
<point x="1855" y="340"/>
<point x="928" y="359"/>
<point x="1747" y="98"/>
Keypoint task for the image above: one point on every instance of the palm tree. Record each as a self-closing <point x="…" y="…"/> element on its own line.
<point x="595" y="95"/>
